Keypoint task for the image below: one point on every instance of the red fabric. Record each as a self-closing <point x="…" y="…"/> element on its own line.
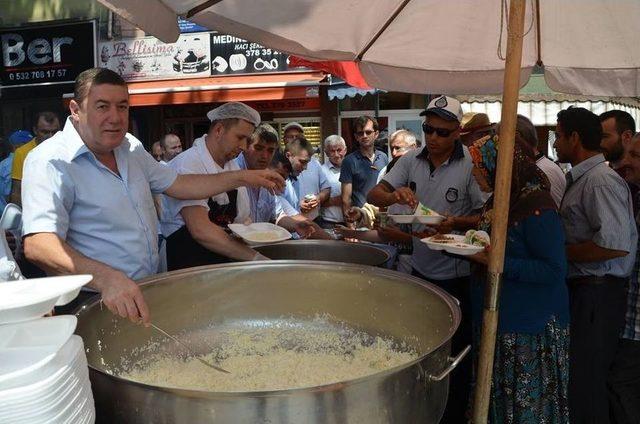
<point x="347" y="70"/>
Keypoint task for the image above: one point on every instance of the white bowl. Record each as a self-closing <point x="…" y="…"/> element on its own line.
<point x="402" y="219"/>
<point x="30" y="299"/>
<point x="429" y="219"/>
<point x="28" y="345"/>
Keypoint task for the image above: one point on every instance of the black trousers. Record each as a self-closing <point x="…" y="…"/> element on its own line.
<point x="624" y="383"/>
<point x="597" y="316"/>
<point x="184" y="252"/>
<point x="460" y="377"/>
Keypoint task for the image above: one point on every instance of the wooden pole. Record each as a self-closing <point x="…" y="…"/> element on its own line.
<point x="502" y="191"/>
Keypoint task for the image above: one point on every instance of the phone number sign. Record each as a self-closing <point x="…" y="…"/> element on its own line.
<point x="231" y="55"/>
<point x="51" y="54"/>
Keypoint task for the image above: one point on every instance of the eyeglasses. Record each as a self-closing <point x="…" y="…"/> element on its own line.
<point x="442" y="132"/>
<point x="362" y="133"/>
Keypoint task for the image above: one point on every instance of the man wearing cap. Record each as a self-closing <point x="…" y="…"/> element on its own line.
<point x="88" y="206"/>
<point x="360" y="169"/>
<point x="439" y="176"/>
<point x="16" y="139"/>
<point x="195" y="229"/>
<point x="47" y="124"/>
<point x="474" y="126"/>
<point x="291" y="131"/>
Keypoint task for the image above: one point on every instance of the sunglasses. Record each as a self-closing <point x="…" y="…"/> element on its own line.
<point x="362" y="133"/>
<point x="442" y="132"/>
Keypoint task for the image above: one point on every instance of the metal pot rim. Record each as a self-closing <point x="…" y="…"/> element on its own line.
<point x="451" y="302"/>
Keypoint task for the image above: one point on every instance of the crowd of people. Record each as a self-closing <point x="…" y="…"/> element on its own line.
<point x="568" y="349"/>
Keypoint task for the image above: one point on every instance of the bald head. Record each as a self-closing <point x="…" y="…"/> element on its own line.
<point x="171" y="147"/>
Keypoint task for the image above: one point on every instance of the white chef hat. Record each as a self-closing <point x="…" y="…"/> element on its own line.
<point x="236" y="110"/>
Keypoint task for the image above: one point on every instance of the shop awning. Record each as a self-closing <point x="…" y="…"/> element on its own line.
<point x="296" y="85"/>
<point x="340" y="91"/>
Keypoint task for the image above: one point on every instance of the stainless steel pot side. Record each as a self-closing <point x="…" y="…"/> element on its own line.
<point x="325" y="250"/>
<point x="374" y="300"/>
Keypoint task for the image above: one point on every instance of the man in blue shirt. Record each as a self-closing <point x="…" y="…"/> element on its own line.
<point x="601" y="237"/>
<point x="299" y="152"/>
<point x="16" y="139"/>
<point x="88" y="204"/>
<point x="261" y="153"/>
<point x="360" y="169"/>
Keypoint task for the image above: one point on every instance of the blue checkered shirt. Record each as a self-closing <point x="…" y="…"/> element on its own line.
<point x="632" y="317"/>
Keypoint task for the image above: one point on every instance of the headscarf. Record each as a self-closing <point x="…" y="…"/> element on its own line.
<point x="529" y="185"/>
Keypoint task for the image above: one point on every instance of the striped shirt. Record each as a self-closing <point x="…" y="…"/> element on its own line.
<point x="597" y="206"/>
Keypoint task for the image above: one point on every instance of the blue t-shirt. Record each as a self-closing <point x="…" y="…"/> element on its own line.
<point x="362" y="174"/>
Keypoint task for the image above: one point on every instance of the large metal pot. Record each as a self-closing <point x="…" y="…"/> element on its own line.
<point x="374" y="300"/>
<point x="325" y="250"/>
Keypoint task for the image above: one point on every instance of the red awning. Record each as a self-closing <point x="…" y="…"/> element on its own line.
<point x="348" y="71"/>
<point x="282" y="86"/>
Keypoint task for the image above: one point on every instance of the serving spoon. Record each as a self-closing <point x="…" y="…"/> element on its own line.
<point x="188" y="348"/>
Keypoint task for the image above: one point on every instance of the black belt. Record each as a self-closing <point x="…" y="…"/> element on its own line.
<point x="592" y="279"/>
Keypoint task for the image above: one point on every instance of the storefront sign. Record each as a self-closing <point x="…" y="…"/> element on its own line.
<point x="51" y="54"/>
<point x="188" y="26"/>
<point x="149" y="58"/>
<point x="232" y="55"/>
<point x="286" y="105"/>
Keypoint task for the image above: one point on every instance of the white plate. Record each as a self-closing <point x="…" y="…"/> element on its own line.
<point x="457" y="246"/>
<point x="30" y="299"/>
<point x="250" y="233"/>
<point x="39" y="380"/>
<point x="28" y="345"/>
<point x="402" y="219"/>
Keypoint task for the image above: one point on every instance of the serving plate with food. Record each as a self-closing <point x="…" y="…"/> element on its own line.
<point x="469" y="244"/>
<point x="422" y="215"/>
<point x="260" y="233"/>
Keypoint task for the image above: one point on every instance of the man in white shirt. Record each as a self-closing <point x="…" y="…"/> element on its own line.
<point x="335" y="148"/>
<point x="195" y="229"/>
<point x="526" y="130"/>
<point x="87" y="196"/>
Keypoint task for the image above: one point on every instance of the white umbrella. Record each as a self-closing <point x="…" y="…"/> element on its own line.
<point x="435" y="46"/>
<point x="427" y="46"/>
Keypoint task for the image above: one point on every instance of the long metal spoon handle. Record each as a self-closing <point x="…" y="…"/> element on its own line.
<point x="181" y="343"/>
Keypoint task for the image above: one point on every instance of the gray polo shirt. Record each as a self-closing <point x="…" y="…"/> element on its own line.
<point x="597" y="206"/>
<point x="448" y="189"/>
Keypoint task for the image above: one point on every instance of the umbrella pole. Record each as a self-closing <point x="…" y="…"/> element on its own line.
<point x="500" y="218"/>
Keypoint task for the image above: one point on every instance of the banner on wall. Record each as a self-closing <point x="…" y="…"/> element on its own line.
<point x="46" y="54"/>
<point x="232" y="55"/>
<point x="149" y="58"/>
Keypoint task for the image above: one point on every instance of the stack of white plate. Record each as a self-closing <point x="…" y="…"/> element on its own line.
<point x="43" y="368"/>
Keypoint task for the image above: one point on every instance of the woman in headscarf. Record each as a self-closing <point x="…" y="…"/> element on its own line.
<point x="531" y="367"/>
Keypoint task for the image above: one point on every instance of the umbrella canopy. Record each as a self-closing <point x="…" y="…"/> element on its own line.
<point x="433" y="46"/>
<point x="427" y="46"/>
